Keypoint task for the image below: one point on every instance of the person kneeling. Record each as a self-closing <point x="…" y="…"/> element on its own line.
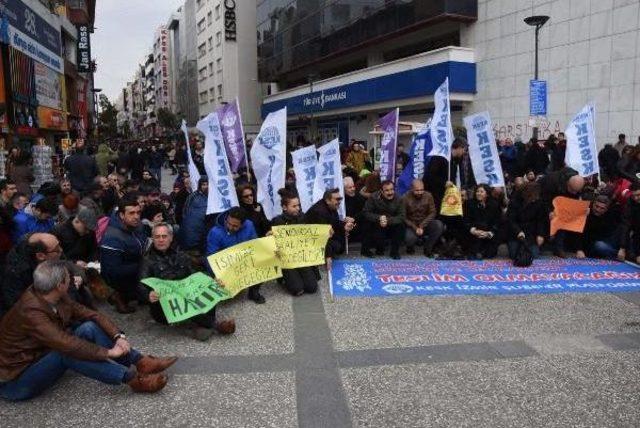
<point x="164" y="261"/>
<point x="300" y="280"/>
<point x="36" y="347"/>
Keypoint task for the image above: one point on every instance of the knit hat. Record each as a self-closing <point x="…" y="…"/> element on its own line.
<point x="88" y="218"/>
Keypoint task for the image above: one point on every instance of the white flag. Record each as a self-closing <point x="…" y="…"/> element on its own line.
<point x="268" y="159"/>
<point x="582" y="149"/>
<point x="194" y="174"/>
<point x="483" y="151"/>
<point x="222" y="193"/>
<point x="304" y="165"/>
<point x="329" y="174"/>
<point x="441" y="132"/>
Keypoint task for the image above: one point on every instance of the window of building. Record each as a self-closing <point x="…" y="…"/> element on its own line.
<point x="218" y="38"/>
<point x="203" y="97"/>
<point x="219" y="64"/>
<point x="202" y="50"/>
<point x="210" y="43"/>
<point x="202" y="73"/>
<point x="212" y="95"/>
<point x="209" y="18"/>
<point x="210" y="69"/>
<point x="220" y="93"/>
<point x="201" y="26"/>
<point x="217" y="12"/>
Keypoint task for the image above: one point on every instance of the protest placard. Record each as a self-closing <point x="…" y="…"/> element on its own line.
<point x="185" y="298"/>
<point x="569" y="214"/>
<point x="246" y="264"/>
<point x="301" y="245"/>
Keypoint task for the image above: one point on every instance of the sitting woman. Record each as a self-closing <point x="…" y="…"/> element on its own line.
<point x="527" y="220"/>
<point x="482" y="219"/>
<point x="301" y="280"/>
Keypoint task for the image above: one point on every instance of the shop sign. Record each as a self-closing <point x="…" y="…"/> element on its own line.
<point x="84" y="49"/>
<point x="48" y="87"/>
<point x="52" y="119"/>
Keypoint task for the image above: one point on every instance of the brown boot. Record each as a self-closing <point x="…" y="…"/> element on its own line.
<point x="149" y="364"/>
<point x="121" y="306"/>
<point x="148" y="382"/>
<point x="225" y="327"/>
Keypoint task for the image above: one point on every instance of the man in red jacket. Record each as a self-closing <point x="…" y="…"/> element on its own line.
<point x="46" y="333"/>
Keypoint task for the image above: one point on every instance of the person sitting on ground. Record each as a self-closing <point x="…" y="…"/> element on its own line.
<point x="193" y="229"/>
<point x="37" y="347"/>
<point x="420" y="219"/>
<point x="252" y="209"/>
<point x="631" y="224"/>
<point x="602" y="236"/>
<point x="41" y="219"/>
<point x="482" y="218"/>
<point x="565" y="182"/>
<point x="121" y="252"/>
<point x="233" y="228"/>
<point x="354" y="204"/>
<point x="325" y="211"/>
<point x="384" y="219"/>
<point x="164" y="261"/>
<point x="527" y="220"/>
<point x="301" y="280"/>
<point x="77" y="237"/>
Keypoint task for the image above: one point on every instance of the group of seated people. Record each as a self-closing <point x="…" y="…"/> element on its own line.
<point x="52" y="245"/>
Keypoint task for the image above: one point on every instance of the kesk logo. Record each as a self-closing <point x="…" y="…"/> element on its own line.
<point x="270" y="137"/>
<point x="398" y="288"/>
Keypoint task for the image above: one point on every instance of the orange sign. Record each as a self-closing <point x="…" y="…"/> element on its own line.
<point x="49" y="118"/>
<point x="569" y="214"/>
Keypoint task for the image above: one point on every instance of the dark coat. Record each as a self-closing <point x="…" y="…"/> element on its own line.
<point x="81" y="169"/>
<point x="75" y="246"/>
<point x="255" y="213"/>
<point x="18" y="273"/>
<point x="555" y="184"/>
<point x="484" y="217"/>
<point x="121" y="253"/>
<point x="531" y="218"/>
<point x="537" y="159"/>
<point x="319" y="213"/>
<point x="193" y="229"/>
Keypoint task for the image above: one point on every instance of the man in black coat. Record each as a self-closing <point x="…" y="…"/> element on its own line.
<point x="325" y="211"/>
<point x="81" y="169"/>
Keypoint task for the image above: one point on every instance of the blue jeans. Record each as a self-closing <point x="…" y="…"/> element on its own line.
<point x="603" y="249"/>
<point x="42" y="374"/>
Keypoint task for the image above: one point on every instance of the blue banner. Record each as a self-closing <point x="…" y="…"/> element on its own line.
<point x="537" y="97"/>
<point x="420" y="277"/>
<point x="418" y="160"/>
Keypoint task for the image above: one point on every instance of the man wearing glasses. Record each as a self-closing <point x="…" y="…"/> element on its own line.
<point x="22" y="261"/>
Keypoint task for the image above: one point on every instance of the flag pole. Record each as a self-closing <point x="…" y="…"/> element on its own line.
<point x="330" y="278"/>
<point x="244" y="141"/>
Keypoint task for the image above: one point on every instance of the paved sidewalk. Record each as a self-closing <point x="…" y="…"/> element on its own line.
<point x="464" y="361"/>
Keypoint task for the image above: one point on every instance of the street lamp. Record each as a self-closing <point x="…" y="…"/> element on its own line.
<point x="536" y="21"/>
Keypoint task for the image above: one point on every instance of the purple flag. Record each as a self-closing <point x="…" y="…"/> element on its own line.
<point x="389" y="127"/>
<point x="231" y="124"/>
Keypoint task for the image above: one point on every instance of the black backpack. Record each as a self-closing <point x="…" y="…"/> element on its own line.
<point x="523" y="256"/>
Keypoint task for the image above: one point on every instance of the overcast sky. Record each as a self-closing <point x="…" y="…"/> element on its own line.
<point x="123" y="36"/>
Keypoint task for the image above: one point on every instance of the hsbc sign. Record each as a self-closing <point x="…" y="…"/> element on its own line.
<point x="230" y="20"/>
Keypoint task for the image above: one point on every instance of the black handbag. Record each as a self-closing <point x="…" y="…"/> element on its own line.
<point x="523" y="256"/>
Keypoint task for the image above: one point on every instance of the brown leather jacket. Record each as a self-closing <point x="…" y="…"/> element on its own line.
<point x="418" y="212"/>
<point x="31" y="329"/>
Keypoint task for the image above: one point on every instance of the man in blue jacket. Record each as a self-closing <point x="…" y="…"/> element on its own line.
<point x="39" y="220"/>
<point x="193" y="229"/>
<point x="121" y="252"/>
<point x="233" y="228"/>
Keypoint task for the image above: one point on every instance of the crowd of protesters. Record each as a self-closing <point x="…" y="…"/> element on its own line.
<point x="106" y="224"/>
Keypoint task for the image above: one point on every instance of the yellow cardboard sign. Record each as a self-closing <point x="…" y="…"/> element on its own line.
<point x="301" y="245"/>
<point x="246" y="264"/>
<point x="451" y="202"/>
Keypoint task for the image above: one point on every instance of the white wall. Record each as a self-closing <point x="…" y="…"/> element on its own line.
<point x="589" y="51"/>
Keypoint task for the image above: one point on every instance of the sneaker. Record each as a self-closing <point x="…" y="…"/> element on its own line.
<point x="148" y="382"/>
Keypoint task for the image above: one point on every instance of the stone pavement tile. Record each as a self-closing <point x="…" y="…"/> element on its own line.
<point x="536" y="391"/>
<point x="566" y="344"/>
<point x="260" y="329"/>
<point x="631" y="297"/>
<point x="621" y="341"/>
<point x="364" y="323"/>
<point x="248" y="400"/>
